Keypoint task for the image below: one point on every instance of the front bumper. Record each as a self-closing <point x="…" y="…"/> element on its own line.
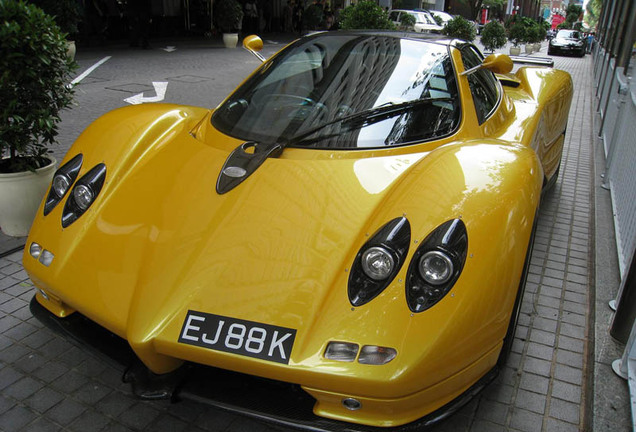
<point x="284" y="404"/>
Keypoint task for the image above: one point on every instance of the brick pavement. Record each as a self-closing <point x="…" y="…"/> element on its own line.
<point x="48" y="384"/>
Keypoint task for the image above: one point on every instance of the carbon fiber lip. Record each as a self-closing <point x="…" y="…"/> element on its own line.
<point x="270" y="401"/>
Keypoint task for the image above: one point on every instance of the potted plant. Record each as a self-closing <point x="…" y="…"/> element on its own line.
<point x="459" y="27"/>
<point x="229" y="15"/>
<point x="407" y="21"/>
<point x="66" y="14"/>
<point x="365" y="14"/>
<point x="516" y="35"/>
<point x="493" y="36"/>
<point x="313" y="18"/>
<point x="34" y="72"/>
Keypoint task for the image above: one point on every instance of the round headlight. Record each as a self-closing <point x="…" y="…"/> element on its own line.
<point x="60" y="185"/>
<point x="377" y="263"/>
<point x="83" y="196"/>
<point x="436" y="267"/>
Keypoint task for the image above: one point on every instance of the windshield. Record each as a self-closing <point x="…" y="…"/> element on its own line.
<point x="568" y="34"/>
<point x="316" y="82"/>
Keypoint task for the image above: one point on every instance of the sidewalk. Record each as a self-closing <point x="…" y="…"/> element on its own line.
<point x="558" y="377"/>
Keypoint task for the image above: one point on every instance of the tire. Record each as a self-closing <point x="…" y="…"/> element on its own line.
<point x="516" y="309"/>
<point x="550" y="52"/>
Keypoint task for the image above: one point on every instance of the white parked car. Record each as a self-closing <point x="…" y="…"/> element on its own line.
<point x="424" y="22"/>
<point x="445" y="17"/>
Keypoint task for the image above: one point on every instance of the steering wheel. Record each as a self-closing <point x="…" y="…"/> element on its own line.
<point x="292" y="105"/>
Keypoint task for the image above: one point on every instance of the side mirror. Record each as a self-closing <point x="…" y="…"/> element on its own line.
<point x="495" y="63"/>
<point x="498" y="63"/>
<point x="254" y="44"/>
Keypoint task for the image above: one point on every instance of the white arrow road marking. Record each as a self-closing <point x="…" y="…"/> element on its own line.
<point x="160" y="89"/>
<point x="169" y="48"/>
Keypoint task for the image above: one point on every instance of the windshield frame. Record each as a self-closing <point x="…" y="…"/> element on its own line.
<point x="452" y="71"/>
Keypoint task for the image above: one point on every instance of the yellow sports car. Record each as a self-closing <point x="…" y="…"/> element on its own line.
<point x="350" y="229"/>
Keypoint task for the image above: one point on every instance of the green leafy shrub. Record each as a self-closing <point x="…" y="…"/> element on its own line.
<point x="407" y="21"/>
<point x="493" y="36"/>
<point x="66" y="13"/>
<point x="517" y="33"/>
<point x="365" y="15"/>
<point x="459" y="27"/>
<point x="34" y="73"/>
<point x="438" y="20"/>
<point x="229" y="15"/>
<point x="312" y="17"/>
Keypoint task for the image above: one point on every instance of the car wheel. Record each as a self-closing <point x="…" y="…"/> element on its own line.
<point x="552" y="181"/>
<point x="514" y="317"/>
<point x="550" y="52"/>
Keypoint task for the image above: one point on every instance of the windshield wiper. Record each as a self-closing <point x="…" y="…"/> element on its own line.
<point x="247" y="157"/>
<point x="366" y="117"/>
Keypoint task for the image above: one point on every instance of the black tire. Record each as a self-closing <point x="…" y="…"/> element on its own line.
<point x="550" y="52"/>
<point x="516" y="309"/>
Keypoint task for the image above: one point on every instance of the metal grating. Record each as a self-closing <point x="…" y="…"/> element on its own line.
<point x="623" y="181"/>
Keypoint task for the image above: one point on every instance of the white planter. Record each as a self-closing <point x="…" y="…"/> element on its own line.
<point x="537" y="47"/>
<point x="20" y="196"/>
<point x="529" y="48"/>
<point x="515" y="50"/>
<point x="230" y="40"/>
<point x="70" y="49"/>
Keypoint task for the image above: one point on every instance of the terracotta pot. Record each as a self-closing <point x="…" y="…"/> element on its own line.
<point x="20" y="196"/>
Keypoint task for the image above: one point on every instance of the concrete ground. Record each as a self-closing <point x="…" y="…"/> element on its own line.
<point x="558" y="377"/>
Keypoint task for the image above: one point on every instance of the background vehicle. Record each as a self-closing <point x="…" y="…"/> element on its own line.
<point x="424" y="22"/>
<point x="567" y="42"/>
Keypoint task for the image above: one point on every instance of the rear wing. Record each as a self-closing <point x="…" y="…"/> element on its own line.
<point x="535" y="61"/>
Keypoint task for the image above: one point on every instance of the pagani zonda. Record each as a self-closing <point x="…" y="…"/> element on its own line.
<point x="354" y="221"/>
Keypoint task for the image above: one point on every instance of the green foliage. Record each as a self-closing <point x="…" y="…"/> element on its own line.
<point x="312" y="17"/>
<point x="438" y="20"/>
<point x="593" y="12"/>
<point x="493" y="36"/>
<point x="534" y="34"/>
<point x="66" y="13"/>
<point x="229" y="15"/>
<point x="34" y="73"/>
<point x="407" y="21"/>
<point x="517" y="33"/>
<point x="365" y="15"/>
<point x="459" y="27"/>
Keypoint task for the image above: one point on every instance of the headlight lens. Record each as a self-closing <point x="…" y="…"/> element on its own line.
<point x="61" y="185"/>
<point x="83" y="196"/>
<point x="377" y="263"/>
<point x="436" y="267"/>
<point x="84" y="193"/>
<point x="62" y="181"/>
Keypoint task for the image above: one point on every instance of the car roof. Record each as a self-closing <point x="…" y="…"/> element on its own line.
<point x="428" y="37"/>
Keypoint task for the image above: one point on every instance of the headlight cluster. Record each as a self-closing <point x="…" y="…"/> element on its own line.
<point x="82" y="194"/>
<point x="436" y="265"/>
<point x="379" y="260"/>
<point x="433" y="270"/>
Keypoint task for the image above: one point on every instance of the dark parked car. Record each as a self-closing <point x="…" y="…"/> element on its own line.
<point x="567" y="42"/>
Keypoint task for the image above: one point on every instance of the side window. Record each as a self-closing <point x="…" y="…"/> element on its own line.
<point x="394" y="16"/>
<point x="483" y="85"/>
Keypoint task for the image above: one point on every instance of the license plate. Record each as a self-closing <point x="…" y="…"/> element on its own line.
<point x="248" y="338"/>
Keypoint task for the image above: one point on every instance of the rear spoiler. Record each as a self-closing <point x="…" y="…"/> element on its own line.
<point x="535" y="61"/>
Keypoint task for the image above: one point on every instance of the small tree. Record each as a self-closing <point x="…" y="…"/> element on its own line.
<point x="365" y="15"/>
<point x="34" y="73"/>
<point x="407" y="21"/>
<point x="493" y="36"/>
<point x="66" y="13"/>
<point x="459" y="27"/>
<point x="229" y="15"/>
<point x="516" y="33"/>
<point x="312" y="17"/>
